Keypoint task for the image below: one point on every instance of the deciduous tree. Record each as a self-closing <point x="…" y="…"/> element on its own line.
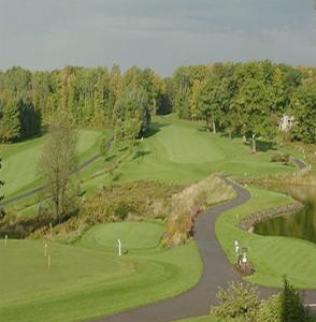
<point x="57" y="164"/>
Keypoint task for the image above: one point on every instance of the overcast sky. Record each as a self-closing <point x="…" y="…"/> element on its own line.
<point x="161" y="34"/>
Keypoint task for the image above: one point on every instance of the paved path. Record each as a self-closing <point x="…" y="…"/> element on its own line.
<point x="218" y="272"/>
<point x="299" y="163"/>
<point x="25" y="195"/>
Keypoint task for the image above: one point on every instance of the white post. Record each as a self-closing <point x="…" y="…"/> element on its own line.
<point x="5" y="240"/>
<point x="236" y="243"/>
<point x="45" y="249"/>
<point x="119" y="247"/>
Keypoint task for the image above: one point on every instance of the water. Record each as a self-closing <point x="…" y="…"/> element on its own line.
<point x="161" y="34"/>
<point x="300" y="225"/>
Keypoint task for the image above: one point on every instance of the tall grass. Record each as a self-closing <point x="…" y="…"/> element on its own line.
<point x="189" y="203"/>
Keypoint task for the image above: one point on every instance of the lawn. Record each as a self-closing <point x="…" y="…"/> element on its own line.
<point x="20" y="160"/>
<point x="181" y="151"/>
<point x="88" y="279"/>
<point x="175" y="151"/>
<point x="273" y="257"/>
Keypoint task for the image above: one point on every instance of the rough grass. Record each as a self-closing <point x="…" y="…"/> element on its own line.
<point x="175" y="151"/>
<point x="20" y="160"/>
<point x="188" y="203"/>
<point x="180" y="151"/>
<point x="89" y="279"/>
<point x="273" y="257"/>
<point x="131" y="201"/>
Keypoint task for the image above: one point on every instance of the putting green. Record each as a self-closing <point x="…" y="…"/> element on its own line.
<point x="183" y="144"/>
<point x="133" y="235"/>
<point x="180" y="151"/>
<point x="84" y="282"/>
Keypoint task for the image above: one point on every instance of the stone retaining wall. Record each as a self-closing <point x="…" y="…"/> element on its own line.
<point x="250" y="221"/>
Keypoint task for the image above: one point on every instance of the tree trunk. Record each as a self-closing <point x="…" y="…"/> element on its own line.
<point x="244" y="139"/>
<point x="214" y="127"/>
<point x="208" y="125"/>
<point x="230" y="134"/>
<point x="254" y="145"/>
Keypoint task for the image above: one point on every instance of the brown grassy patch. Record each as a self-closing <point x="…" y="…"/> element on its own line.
<point x="189" y="203"/>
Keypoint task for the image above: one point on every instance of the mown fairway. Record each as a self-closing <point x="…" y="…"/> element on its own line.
<point x="273" y="257"/>
<point x="89" y="279"/>
<point x="182" y="152"/>
<point x="175" y="151"/>
<point x="20" y="160"/>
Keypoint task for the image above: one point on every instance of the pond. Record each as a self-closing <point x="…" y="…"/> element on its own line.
<point x="300" y="225"/>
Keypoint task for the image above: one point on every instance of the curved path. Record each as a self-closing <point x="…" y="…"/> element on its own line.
<point x="218" y="272"/>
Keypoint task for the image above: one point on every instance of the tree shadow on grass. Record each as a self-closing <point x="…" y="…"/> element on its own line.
<point x="110" y="158"/>
<point x="141" y="154"/>
<point x="265" y="146"/>
<point x="155" y="127"/>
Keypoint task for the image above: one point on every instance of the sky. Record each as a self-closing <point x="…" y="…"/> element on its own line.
<point x="160" y="34"/>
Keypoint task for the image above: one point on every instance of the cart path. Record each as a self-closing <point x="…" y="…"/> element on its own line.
<point x="27" y="194"/>
<point x="217" y="272"/>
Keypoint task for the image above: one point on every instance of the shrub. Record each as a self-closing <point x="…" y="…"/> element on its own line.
<point x="239" y="301"/>
<point x="133" y="201"/>
<point x="122" y="210"/>
<point x="270" y="310"/>
<point x="189" y="203"/>
<point x="279" y="157"/>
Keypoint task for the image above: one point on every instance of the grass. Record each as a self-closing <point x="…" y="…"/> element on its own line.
<point x="273" y="257"/>
<point x="105" y="236"/>
<point x="20" y="160"/>
<point x="179" y="151"/>
<point x="88" y="279"/>
<point x="176" y="151"/>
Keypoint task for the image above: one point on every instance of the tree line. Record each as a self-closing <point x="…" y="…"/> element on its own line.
<point x="93" y="97"/>
<point x="247" y="99"/>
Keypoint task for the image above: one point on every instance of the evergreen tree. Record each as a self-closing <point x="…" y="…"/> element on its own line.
<point x="293" y="309"/>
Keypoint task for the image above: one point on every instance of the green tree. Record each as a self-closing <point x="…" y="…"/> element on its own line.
<point x="303" y="108"/>
<point x="10" y="121"/>
<point x="255" y="105"/>
<point x="292" y="308"/>
<point x="57" y="164"/>
<point x="215" y="102"/>
<point x="133" y="105"/>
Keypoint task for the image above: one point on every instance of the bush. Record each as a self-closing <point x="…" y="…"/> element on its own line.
<point x="133" y="201"/>
<point x="122" y="210"/>
<point x="279" y="157"/>
<point x="270" y="310"/>
<point x="239" y="301"/>
<point x="189" y="203"/>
